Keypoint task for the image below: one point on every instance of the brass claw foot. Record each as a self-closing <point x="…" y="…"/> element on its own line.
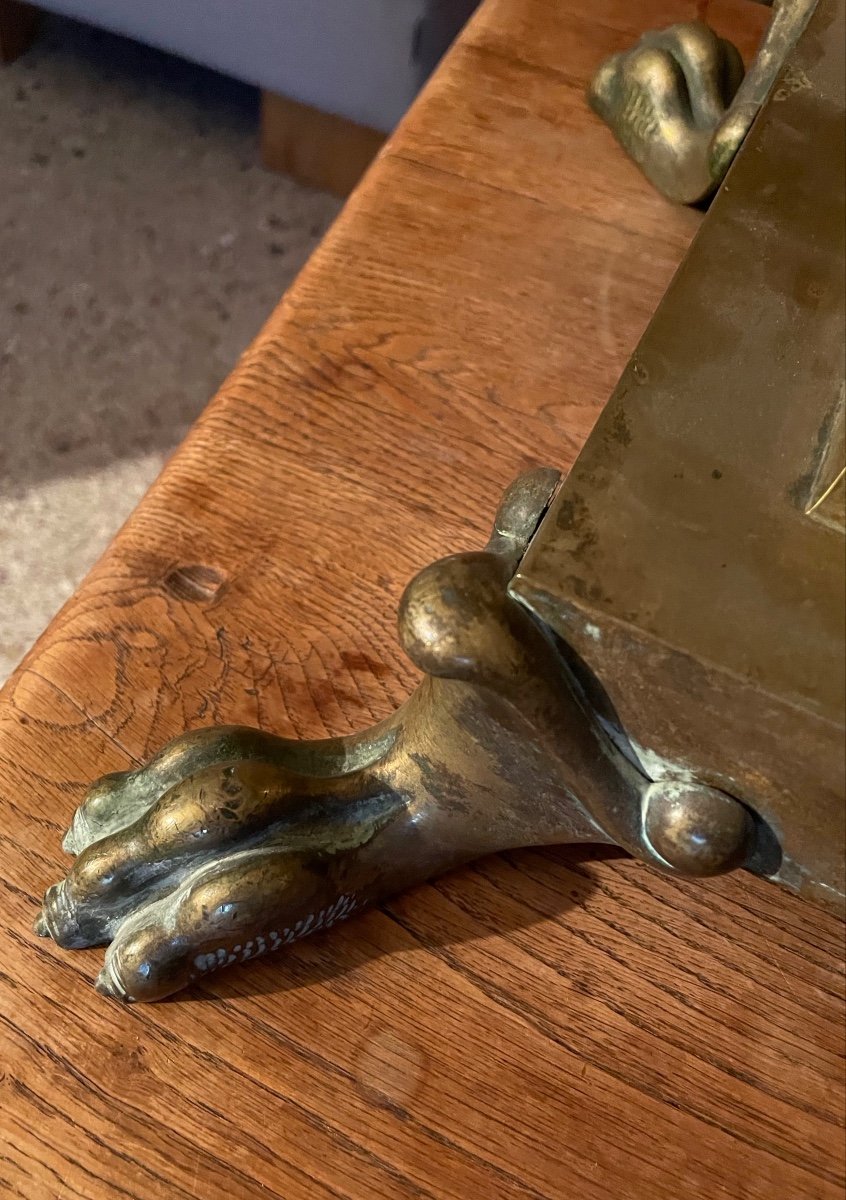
<point x="232" y="842"/>
<point x="679" y="103"/>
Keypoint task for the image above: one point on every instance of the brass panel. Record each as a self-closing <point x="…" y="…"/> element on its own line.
<point x="694" y="558"/>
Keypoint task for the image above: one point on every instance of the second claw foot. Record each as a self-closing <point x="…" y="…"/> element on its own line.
<point x="664" y="100"/>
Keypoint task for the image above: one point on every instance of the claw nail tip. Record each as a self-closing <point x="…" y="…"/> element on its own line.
<point x="40" y="925"/>
<point x="74" y="839"/>
<point x="106" y="986"/>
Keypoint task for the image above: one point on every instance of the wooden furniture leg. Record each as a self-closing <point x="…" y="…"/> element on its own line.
<point x="317" y="148"/>
<point x="18" y="26"/>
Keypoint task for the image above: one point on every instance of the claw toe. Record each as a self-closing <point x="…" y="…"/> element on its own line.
<point x="107" y="984"/>
<point x="58" y="919"/>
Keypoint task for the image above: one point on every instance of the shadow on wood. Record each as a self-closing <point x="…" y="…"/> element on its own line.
<point x="368" y="937"/>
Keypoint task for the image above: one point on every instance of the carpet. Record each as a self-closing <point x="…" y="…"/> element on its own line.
<point x="141" y="248"/>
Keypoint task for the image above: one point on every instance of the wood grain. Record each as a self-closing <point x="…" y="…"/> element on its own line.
<point x="544" y="1024"/>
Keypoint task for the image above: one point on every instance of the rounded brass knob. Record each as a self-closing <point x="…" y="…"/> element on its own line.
<point x="696" y="830"/>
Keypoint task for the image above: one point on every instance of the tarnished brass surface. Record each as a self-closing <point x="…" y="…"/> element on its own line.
<point x="679" y="102"/>
<point x="232" y="842"/>
<point x="694" y="558"/>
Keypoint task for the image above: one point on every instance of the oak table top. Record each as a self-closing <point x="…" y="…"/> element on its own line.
<point x="544" y="1024"/>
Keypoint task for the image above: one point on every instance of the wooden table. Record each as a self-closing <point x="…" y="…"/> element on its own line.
<point x="544" y="1024"/>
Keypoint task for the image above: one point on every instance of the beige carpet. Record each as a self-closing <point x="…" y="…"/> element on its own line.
<point x="141" y="247"/>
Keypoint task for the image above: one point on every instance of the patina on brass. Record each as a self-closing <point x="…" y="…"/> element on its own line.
<point x="232" y="842"/>
<point x="695" y="558"/>
<point x="680" y="104"/>
<point x="650" y="656"/>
